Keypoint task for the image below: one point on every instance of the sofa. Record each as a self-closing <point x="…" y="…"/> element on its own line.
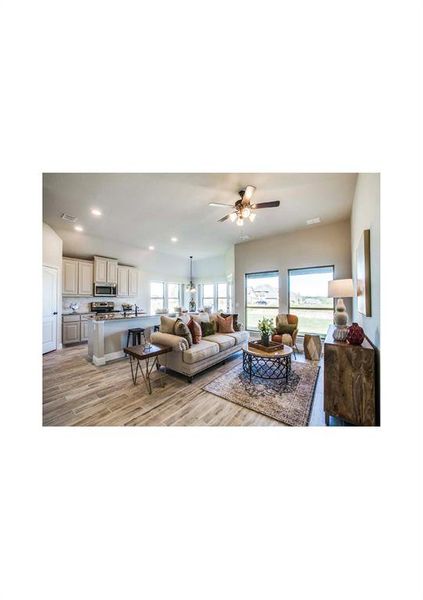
<point x="209" y="351"/>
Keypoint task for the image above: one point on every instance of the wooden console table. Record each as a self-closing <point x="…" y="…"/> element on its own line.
<point x="349" y="381"/>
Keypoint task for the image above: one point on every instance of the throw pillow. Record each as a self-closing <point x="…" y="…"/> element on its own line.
<point x="167" y="324"/>
<point x="208" y="328"/>
<point x="281" y="329"/>
<point x="235" y="317"/>
<point x="182" y="330"/>
<point x="195" y="330"/>
<point x="225" y="324"/>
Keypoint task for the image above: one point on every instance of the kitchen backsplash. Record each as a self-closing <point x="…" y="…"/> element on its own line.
<point x="85" y="303"/>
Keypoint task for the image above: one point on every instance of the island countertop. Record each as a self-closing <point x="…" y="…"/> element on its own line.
<point x="120" y="317"/>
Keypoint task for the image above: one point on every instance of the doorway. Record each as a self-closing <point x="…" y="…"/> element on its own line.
<point x="49" y="309"/>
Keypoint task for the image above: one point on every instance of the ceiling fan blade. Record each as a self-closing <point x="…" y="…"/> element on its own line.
<point x="267" y="204"/>
<point x="219" y="204"/>
<point x="224" y="218"/>
<point x="248" y="194"/>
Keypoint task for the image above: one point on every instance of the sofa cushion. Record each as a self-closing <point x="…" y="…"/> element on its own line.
<point x="224" y="341"/>
<point x="182" y="330"/>
<point x="208" y="328"/>
<point x="235" y="319"/>
<point x="239" y="336"/>
<point x="167" y="324"/>
<point x="199" y="352"/>
<point x="225" y="324"/>
<point x="195" y="330"/>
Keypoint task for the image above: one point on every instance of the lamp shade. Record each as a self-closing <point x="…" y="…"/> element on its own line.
<point x="340" y="288"/>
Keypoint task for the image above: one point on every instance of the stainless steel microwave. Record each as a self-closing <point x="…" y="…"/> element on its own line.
<point x="104" y="289"/>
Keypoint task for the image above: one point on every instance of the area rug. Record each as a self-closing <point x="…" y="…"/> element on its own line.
<point x="289" y="403"/>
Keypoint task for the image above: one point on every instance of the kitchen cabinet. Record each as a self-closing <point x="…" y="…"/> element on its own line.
<point x="132" y="282"/>
<point x="112" y="266"/>
<point x="69" y="277"/>
<point x="123" y="281"/>
<point x="77" y="277"/>
<point x="127" y="285"/>
<point x="85" y="278"/>
<point x="105" y="270"/>
<point x="71" y="332"/>
<point x="100" y="270"/>
<point x="75" y="328"/>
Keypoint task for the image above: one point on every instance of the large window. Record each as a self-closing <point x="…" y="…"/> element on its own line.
<point x="261" y="297"/>
<point x="173" y="296"/>
<point x="222" y="297"/>
<point x="308" y="298"/>
<point x="156" y="295"/>
<point x="208" y="295"/>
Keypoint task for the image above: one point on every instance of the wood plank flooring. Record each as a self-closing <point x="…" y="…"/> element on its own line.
<point x="75" y="392"/>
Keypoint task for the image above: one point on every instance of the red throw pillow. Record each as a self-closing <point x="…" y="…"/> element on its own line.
<point x="195" y="330"/>
<point x="225" y="324"/>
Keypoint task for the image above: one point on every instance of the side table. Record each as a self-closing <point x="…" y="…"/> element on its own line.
<point x="142" y="354"/>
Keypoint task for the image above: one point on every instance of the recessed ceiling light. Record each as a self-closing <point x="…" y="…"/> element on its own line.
<point x="173" y="239"/>
<point x="313" y="221"/>
<point x="78" y="228"/>
<point x="96" y="212"/>
<point x="151" y="247"/>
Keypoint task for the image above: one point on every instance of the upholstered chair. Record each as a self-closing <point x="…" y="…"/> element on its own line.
<point x="288" y="338"/>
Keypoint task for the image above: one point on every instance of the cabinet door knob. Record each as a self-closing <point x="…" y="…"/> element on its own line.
<point x="55" y="313"/>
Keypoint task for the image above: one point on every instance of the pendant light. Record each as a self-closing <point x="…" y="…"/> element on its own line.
<point x="191" y="287"/>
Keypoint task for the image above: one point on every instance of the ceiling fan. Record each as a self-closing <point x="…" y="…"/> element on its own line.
<point x="244" y="208"/>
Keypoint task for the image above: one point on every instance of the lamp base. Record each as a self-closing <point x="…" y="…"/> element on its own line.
<point x="340" y="333"/>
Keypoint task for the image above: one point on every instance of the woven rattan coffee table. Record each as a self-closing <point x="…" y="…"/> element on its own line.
<point x="267" y="365"/>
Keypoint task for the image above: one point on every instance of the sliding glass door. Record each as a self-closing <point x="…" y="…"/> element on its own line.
<point x="261" y="297"/>
<point x="308" y="298"/>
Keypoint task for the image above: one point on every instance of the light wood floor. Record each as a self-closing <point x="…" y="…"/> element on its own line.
<point x="75" y="392"/>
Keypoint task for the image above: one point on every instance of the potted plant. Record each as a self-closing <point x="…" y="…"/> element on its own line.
<point x="266" y="327"/>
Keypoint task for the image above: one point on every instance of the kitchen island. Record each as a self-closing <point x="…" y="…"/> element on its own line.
<point x="107" y="335"/>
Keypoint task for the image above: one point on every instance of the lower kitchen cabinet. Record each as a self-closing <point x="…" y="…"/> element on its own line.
<point x="75" y="329"/>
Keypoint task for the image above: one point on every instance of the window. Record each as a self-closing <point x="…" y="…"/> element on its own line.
<point x="222" y="297"/>
<point x="156" y="295"/>
<point x="208" y="295"/>
<point x="261" y="297"/>
<point x="308" y="298"/>
<point x="173" y="296"/>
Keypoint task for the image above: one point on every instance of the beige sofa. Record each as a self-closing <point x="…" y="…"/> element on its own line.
<point x="211" y="350"/>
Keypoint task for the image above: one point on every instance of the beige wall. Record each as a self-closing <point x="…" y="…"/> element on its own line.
<point x="366" y="215"/>
<point x="312" y="247"/>
<point x="52" y="257"/>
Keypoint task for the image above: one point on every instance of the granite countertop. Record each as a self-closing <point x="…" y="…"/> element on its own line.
<point x="89" y="312"/>
<point x="120" y="317"/>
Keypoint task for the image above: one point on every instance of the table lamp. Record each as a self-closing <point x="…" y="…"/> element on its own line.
<point x="340" y="288"/>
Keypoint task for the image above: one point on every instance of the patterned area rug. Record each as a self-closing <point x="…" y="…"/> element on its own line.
<point x="289" y="403"/>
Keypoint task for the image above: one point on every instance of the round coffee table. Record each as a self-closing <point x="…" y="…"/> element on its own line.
<point x="267" y="365"/>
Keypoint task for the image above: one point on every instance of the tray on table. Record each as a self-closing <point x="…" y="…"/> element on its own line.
<point x="272" y="347"/>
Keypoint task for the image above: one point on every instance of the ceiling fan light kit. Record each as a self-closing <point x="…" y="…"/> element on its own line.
<point x="243" y="208"/>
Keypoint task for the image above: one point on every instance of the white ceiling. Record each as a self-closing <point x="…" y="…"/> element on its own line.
<point x="148" y="209"/>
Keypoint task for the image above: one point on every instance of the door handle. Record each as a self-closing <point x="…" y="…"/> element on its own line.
<point x="55" y="313"/>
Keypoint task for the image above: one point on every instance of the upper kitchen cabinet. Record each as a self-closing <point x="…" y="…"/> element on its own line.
<point x="77" y="277"/>
<point x="123" y="281"/>
<point x="127" y="281"/>
<point x="100" y="269"/>
<point x="85" y="278"/>
<point x="112" y="266"/>
<point x="105" y="270"/>
<point x="133" y="282"/>
<point x="69" y="277"/>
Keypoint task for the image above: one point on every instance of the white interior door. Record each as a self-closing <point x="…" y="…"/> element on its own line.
<point x="49" y="309"/>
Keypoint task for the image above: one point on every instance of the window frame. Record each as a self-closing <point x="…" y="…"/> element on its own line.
<point x="246" y="307"/>
<point x="167" y="284"/>
<point x="309" y="308"/>
<point x="163" y="283"/>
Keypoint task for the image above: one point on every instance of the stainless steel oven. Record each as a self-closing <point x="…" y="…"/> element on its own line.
<point x="105" y="289"/>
